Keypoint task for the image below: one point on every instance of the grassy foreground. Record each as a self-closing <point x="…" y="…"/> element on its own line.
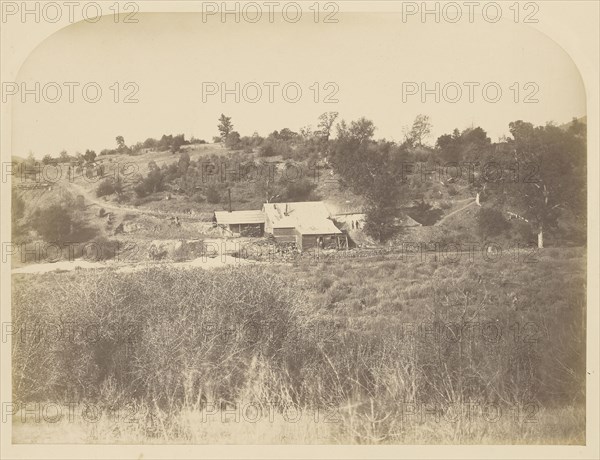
<point x="379" y="350"/>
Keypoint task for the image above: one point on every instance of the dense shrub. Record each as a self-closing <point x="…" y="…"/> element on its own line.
<point x="425" y="213"/>
<point x="198" y="198"/>
<point x="524" y="231"/>
<point x="379" y="223"/>
<point x="491" y="222"/>
<point x="152" y="183"/>
<point x="54" y="223"/>
<point x="272" y="147"/>
<point x="233" y="141"/>
<point x="138" y="322"/>
<point x="299" y="190"/>
<point x="212" y="194"/>
<point x="106" y="187"/>
<point x="101" y="248"/>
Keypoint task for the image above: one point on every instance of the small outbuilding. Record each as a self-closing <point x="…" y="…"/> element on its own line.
<point x="240" y="223"/>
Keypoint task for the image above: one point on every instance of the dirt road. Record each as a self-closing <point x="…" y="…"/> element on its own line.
<point x="441" y="221"/>
<point x="90" y="197"/>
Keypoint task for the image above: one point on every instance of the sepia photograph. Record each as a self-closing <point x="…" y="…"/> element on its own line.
<point x="299" y="226"/>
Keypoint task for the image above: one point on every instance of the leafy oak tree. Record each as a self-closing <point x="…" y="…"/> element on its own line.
<point x="420" y="130"/>
<point x="552" y="174"/>
<point x="370" y="169"/>
<point x="326" y="121"/>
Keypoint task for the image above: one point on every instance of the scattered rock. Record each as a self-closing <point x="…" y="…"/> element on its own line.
<point x="130" y="227"/>
<point x="161" y="249"/>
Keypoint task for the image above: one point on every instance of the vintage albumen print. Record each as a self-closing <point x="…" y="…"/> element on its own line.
<point x="307" y="223"/>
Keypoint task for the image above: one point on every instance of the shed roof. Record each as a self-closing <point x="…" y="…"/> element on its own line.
<point x="240" y="217"/>
<point x="309" y="217"/>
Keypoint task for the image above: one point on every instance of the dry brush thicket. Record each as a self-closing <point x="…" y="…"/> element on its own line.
<point x="364" y="337"/>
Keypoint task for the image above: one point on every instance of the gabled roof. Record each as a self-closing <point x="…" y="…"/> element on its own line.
<point x="323" y="227"/>
<point x="240" y="217"/>
<point x="308" y="217"/>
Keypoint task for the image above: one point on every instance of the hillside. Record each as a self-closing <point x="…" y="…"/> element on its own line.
<point x="144" y="220"/>
<point x="152" y="197"/>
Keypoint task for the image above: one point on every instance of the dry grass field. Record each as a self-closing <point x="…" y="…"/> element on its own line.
<point x="381" y="349"/>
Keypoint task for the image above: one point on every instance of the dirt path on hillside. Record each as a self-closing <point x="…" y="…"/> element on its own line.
<point x="77" y="189"/>
<point x="91" y="198"/>
<point x="441" y="221"/>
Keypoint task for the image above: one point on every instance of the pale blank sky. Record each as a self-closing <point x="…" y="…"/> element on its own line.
<point x="368" y="57"/>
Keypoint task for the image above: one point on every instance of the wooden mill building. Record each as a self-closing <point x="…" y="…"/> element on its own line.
<point x="307" y="224"/>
